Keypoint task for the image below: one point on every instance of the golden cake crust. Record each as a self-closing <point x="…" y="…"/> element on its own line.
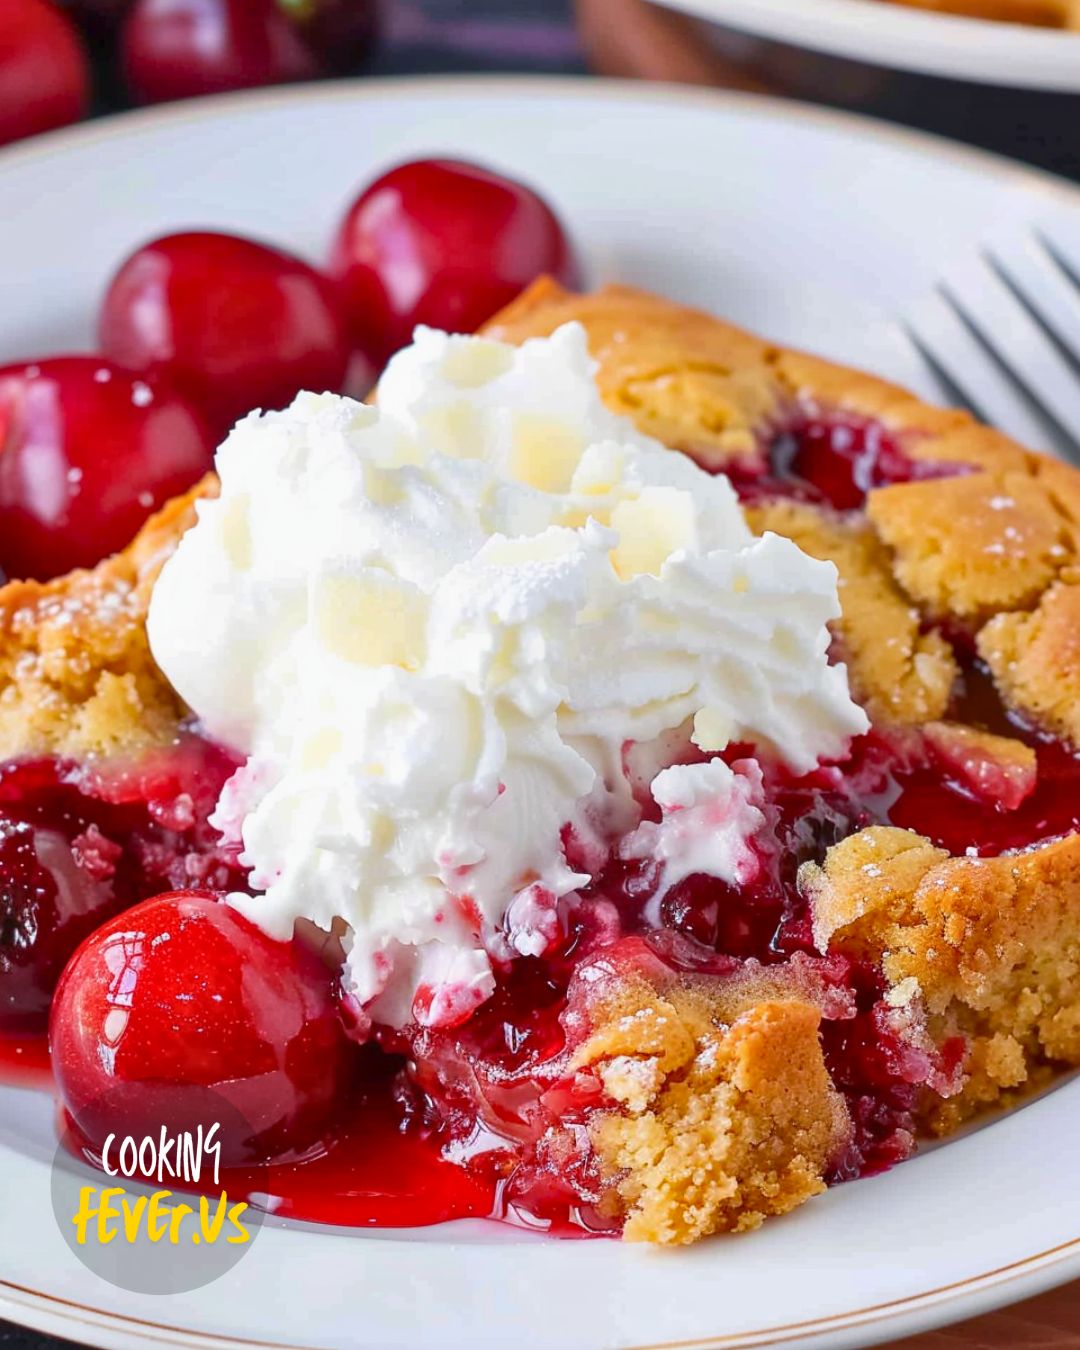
<point x="1035" y="657"/>
<point x="973" y="545"/>
<point x="76" y="675"/>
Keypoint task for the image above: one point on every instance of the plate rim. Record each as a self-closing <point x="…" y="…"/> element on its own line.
<point x="984" y="1292"/>
<point x="976" y="1293"/>
<point x="601" y="89"/>
<point x="922" y="41"/>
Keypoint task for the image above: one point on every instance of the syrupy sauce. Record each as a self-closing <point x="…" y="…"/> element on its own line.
<point x="373" y="1174"/>
<point x="486" y="1121"/>
<point x="833" y="461"/>
<point x="24" y="1060"/>
<point x="380" y="1166"/>
<point x="78" y="845"/>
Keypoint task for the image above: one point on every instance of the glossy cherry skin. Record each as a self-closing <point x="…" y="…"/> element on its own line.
<point x="87" y="452"/>
<point x="181" y="995"/>
<point x="44" y="76"/>
<point x="442" y="243"/>
<point x="234" y="324"/>
<point x="181" y="48"/>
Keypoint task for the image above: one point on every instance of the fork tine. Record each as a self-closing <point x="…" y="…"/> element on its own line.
<point x="1040" y="283"/>
<point x="1011" y="334"/>
<point x="963" y="361"/>
<point x="1065" y="250"/>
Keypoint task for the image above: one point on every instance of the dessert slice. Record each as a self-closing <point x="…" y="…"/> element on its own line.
<point x="638" y="911"/>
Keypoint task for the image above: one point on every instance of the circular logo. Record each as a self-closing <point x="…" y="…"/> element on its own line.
<point x="158" y="1210"/>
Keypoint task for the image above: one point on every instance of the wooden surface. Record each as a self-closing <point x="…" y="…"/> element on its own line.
<point x="1050" y="1322"/>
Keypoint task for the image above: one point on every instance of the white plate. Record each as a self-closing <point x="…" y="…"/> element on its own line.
<point x="909" y="39"/>
<point x="813" y="228"/>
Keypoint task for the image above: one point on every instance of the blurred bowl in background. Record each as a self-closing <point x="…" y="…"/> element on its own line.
<point x="634" y="38"/>
<point x="919" y="39"/>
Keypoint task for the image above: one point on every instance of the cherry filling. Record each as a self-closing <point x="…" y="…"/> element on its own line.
<point x="77" y="846"/>
<point x="831" y="459"/>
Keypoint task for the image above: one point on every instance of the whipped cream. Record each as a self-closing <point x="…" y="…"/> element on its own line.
<point x="434" y="626"/>
<point x="710" y="814"/>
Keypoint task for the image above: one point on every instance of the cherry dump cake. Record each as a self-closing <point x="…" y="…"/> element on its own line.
<point x="548" y="828"/>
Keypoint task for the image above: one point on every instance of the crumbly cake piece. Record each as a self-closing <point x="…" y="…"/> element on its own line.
<point x="726" y="1113"/>
<point x="76" y="675"/>
<point x="991" y="946"/>
<point x="900" y="673"/>
<point x="996" y="768"/>
<point x="1035" y="657"/>
<point x="973" y="545"/>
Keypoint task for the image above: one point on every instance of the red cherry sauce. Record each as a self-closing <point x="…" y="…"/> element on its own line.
<point x="24" y="1060"/>
<point x="832" y="460"/>
<point x="78" y="846"/>
<point x="382" y="1167"/>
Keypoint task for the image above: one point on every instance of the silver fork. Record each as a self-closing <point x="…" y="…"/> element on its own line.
<point x="1002" y="333"/>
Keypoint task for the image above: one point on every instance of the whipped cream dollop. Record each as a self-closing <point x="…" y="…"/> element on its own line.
<point x="434" y="626"/>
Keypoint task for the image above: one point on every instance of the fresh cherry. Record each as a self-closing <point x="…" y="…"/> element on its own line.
<point x="44" y="76"/>
<point x="236" y="325"/>
<point x="87" y="452"/>
<point x="181" y="48"/>
<point x="443" y="243"/>
<point x="182" y="996"/>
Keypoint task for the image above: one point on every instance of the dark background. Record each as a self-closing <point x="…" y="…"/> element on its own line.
<point x="444" y="36"/>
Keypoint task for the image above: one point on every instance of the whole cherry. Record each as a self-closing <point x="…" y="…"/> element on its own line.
<point x="44" y="76"/>
<point x="181" y="48"/>
<point x="235" y="324"/>
<point x="182" y="997"/>
<point x="87" y="452"/>
<point x="444" y="243"/>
